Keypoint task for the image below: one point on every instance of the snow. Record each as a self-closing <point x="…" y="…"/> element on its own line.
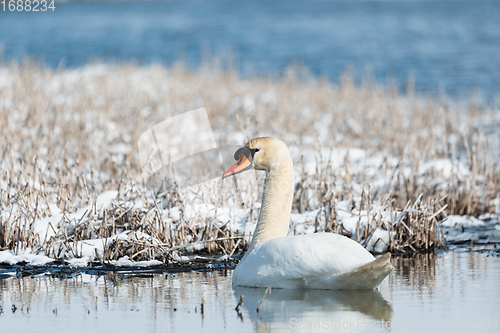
<point x="78" y="262"/>
<point x="353" y="221"/>
<point x="462" y="221"/>
<point x="45" y="227"/>
<point x="104" y="199"/>
<point x="456" y="229"/>
<point x="445" y="167"/>
<point x="379" y="241"/>
<point x="239" y="223"/>
<point x="126" y="262"/>
<point x="353" y="166"/>
<point x="10" y="258"/>
<point x="6" y="257"/>
<point x="464" y="229"/>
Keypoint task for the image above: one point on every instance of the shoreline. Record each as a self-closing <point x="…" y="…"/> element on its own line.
<point x="200" y="264"/>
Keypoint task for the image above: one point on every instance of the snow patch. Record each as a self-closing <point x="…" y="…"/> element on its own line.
<point x="462" y="221"/>
<point x="10" y="258"/>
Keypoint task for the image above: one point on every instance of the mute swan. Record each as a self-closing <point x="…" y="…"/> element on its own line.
<point x="313" y="261"/>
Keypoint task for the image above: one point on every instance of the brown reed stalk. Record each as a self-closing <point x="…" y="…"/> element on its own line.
<point x="58" y="133"/>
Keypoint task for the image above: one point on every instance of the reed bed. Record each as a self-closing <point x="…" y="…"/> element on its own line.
<point x="69" y="135"/>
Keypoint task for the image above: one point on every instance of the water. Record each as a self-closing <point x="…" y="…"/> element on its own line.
<point x="445" y="45"/>
<point x="447" y="292"/>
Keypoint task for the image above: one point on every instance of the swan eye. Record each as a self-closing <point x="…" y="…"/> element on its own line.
<point x="253" y="151"/>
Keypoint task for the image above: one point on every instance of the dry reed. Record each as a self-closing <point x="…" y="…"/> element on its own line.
<point x="68" y="135"/>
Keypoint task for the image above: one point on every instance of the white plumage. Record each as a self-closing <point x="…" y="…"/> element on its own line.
<point x="314" y="261"/>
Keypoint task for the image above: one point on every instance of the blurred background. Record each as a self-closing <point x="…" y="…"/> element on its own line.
<point x="447" y="47"/>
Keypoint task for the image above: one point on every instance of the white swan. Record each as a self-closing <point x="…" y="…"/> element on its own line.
<point x="315" y="261"/>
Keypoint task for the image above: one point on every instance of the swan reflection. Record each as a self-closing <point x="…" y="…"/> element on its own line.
<point x="309" y="309"/>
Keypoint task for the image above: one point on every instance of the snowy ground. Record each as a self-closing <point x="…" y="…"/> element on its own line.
<point x="456" y="229"/>
<point x="71" y="186"/>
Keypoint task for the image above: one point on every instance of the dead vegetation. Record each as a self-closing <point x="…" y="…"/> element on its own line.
<point x="68" y="135"/>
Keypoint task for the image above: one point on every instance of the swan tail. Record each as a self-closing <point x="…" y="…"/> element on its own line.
<point x="368" y="276"/>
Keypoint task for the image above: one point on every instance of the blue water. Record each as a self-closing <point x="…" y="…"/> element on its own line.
<point x="447" y="292"/>
<point x="451" y="46"/>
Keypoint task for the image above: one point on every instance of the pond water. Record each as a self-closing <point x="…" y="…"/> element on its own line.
<point x="453" y="45"/>
<point x="446" y="292"/>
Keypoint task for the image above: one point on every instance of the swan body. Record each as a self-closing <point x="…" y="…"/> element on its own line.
<point x="313" y="261"/>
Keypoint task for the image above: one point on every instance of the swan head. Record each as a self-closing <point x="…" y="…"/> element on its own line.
<point x="263" y="153"/>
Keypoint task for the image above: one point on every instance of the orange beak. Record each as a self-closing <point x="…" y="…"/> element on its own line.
<point x="241" y="165"/>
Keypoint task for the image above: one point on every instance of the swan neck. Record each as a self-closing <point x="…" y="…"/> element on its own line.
<point x="274" y="217"/>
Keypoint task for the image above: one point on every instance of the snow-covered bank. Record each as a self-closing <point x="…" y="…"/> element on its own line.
<point x="383" y="169"/>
